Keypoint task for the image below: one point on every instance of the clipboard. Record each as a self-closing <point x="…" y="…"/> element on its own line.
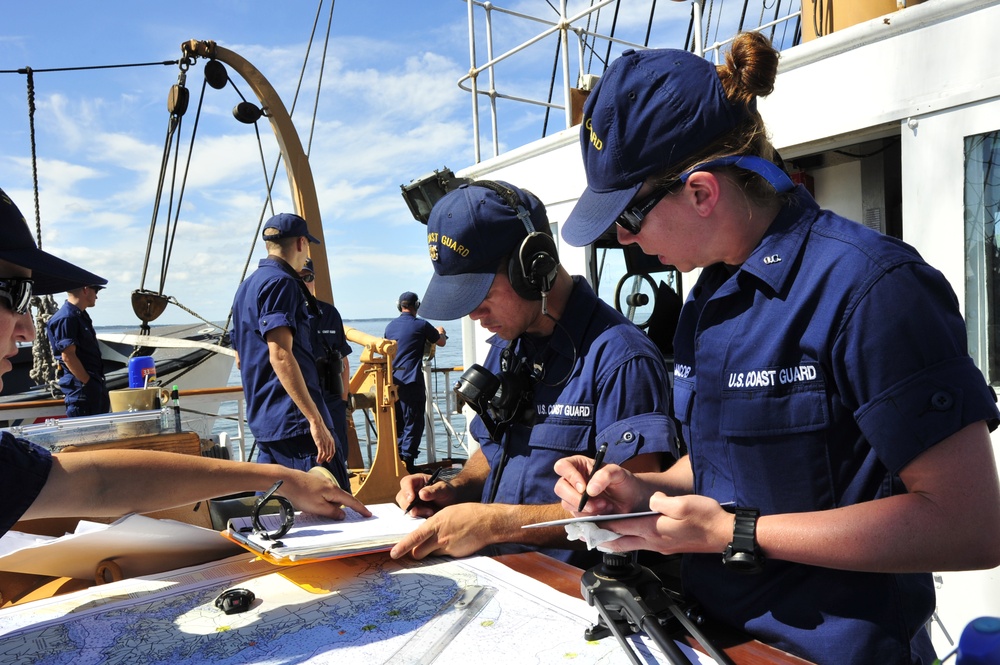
<point x="591" y="518"/>
<point x="314" y="538"/>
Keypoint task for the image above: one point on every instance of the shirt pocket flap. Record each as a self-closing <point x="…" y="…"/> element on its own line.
<point x="761" y="413"/>
<point x="569" y="439"/>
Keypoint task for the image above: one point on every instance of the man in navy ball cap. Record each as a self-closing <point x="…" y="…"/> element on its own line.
<point x="415" y="338"/>
<point x="273" y="319"/>
<point x="564" y="359"/>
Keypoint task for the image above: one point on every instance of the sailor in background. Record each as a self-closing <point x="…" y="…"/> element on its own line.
<point x="35" y="483"/>
<point x="577" y="375"/>
<point x="331" y="349"/>
<point x="273" y="315"/>
<point x="74" y="342"/>
<point x="822" y="377"/>
<point x="412" y="334"/>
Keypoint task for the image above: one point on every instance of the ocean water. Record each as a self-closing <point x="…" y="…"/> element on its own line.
<point x="446" y="444"/>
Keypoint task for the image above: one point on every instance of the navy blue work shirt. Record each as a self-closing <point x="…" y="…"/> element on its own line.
<point x="273" y="297"/>
<point x="68" y="326"/>
<point x="24" y="468"/>
<point x="411" y="334"/>
<point x="328" y="336"/>
<point x="806" y="380"/>
<point x="330" y="327"/>
<point x="603" y="381"/>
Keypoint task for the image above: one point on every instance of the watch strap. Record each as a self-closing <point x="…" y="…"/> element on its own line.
<point x="743" y="554"/>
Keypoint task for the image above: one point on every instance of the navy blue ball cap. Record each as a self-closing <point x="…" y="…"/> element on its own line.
<point x="49" y="273"/>
<point x="651" y="110"/>
<point x="470" y="231"/>
<point x="287" y="225"/>
<point x="407" y="298"/>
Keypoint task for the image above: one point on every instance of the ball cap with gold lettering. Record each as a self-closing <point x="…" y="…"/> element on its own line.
<point x="651" y="110"/>
<point x="50" y="274"/>
<point x="471" y="230"/>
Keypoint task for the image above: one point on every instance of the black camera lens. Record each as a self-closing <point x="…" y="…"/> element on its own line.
<point x="476" y="387"/>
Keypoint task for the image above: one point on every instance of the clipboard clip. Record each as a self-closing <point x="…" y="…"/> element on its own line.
<point x="285" y="509"/>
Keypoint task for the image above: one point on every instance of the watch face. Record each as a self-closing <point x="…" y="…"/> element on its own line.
<point x="742" y="562"/>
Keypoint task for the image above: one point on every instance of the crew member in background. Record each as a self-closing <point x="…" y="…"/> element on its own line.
<point x="578" y="374"/>
<point x="74" y="342"/>
<point x="35" y="483"/>
<point x="331" y="349"/>
<point x="411" y="334"/>
<point x="272" y="335"/>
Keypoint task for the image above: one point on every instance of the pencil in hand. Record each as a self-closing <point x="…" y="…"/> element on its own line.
<point x="598" y="463"/>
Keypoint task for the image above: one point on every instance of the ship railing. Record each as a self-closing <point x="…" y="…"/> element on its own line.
<point x="217" y="415"/>
<point x="439" y="384"/>
<point x="561" y="29"/>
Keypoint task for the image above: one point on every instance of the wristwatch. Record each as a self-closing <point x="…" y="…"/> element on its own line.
<point x="742" y="554"/>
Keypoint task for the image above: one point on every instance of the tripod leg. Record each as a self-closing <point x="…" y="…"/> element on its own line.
<point x="611" y="625"/>
<point x="717" y="654"/>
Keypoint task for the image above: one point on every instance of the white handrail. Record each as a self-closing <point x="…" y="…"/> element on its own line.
<point x="561" y="27"/>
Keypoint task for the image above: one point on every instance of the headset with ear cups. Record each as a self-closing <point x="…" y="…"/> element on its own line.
<point x="532" y="269"/>
<point x="399" y="305"/>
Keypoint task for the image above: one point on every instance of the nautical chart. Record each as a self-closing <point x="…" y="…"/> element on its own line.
<point x="364" y="610"/>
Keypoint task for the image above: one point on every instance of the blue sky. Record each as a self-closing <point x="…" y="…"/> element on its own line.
<point x="389" y="111"/>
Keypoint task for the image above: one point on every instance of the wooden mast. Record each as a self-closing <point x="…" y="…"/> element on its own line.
<point x="296" y="163"/>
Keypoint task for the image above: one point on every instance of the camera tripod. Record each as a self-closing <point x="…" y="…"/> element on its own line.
<point x="630" y="598"/>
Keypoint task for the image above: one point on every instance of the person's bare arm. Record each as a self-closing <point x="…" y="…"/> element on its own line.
<point x="108" y="483"/>
<point x="949" y="519"/>
<point x="345" y="377"/>
<point x="279" y="346"/>
<point x="460" y="528"/>
<point x="465" y="528"/>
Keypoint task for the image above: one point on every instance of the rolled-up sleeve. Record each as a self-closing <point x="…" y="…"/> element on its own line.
<point x="24" y="469"/>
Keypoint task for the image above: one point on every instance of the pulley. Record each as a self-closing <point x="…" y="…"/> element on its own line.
<point x="247" y="112"/>
<point x="216" y="74"/>
<point x="148" y="305"/>
<point x="177" y="100"/>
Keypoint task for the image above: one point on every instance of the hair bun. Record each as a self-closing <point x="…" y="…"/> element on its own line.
<point x="751" y="68"/>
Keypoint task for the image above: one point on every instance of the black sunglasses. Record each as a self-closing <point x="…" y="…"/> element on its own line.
<point x="15" y="292"/>
<point x="308" y="278"/>
<point x="631" y="218"/>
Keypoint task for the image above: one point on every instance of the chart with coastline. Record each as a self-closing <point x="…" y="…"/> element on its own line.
<point x="357" y="610"/>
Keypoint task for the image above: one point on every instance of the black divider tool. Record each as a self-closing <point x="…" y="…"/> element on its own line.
<point x="630" y="598"/>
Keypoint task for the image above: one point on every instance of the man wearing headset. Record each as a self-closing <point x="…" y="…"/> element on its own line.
<point x="329" y="344"/>
<point x="582" y="375"/>
<point x="412" y="334"/>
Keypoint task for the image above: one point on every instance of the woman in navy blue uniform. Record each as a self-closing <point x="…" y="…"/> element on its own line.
<point x="837" y="429"/>
<point x="35" y="483"/>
